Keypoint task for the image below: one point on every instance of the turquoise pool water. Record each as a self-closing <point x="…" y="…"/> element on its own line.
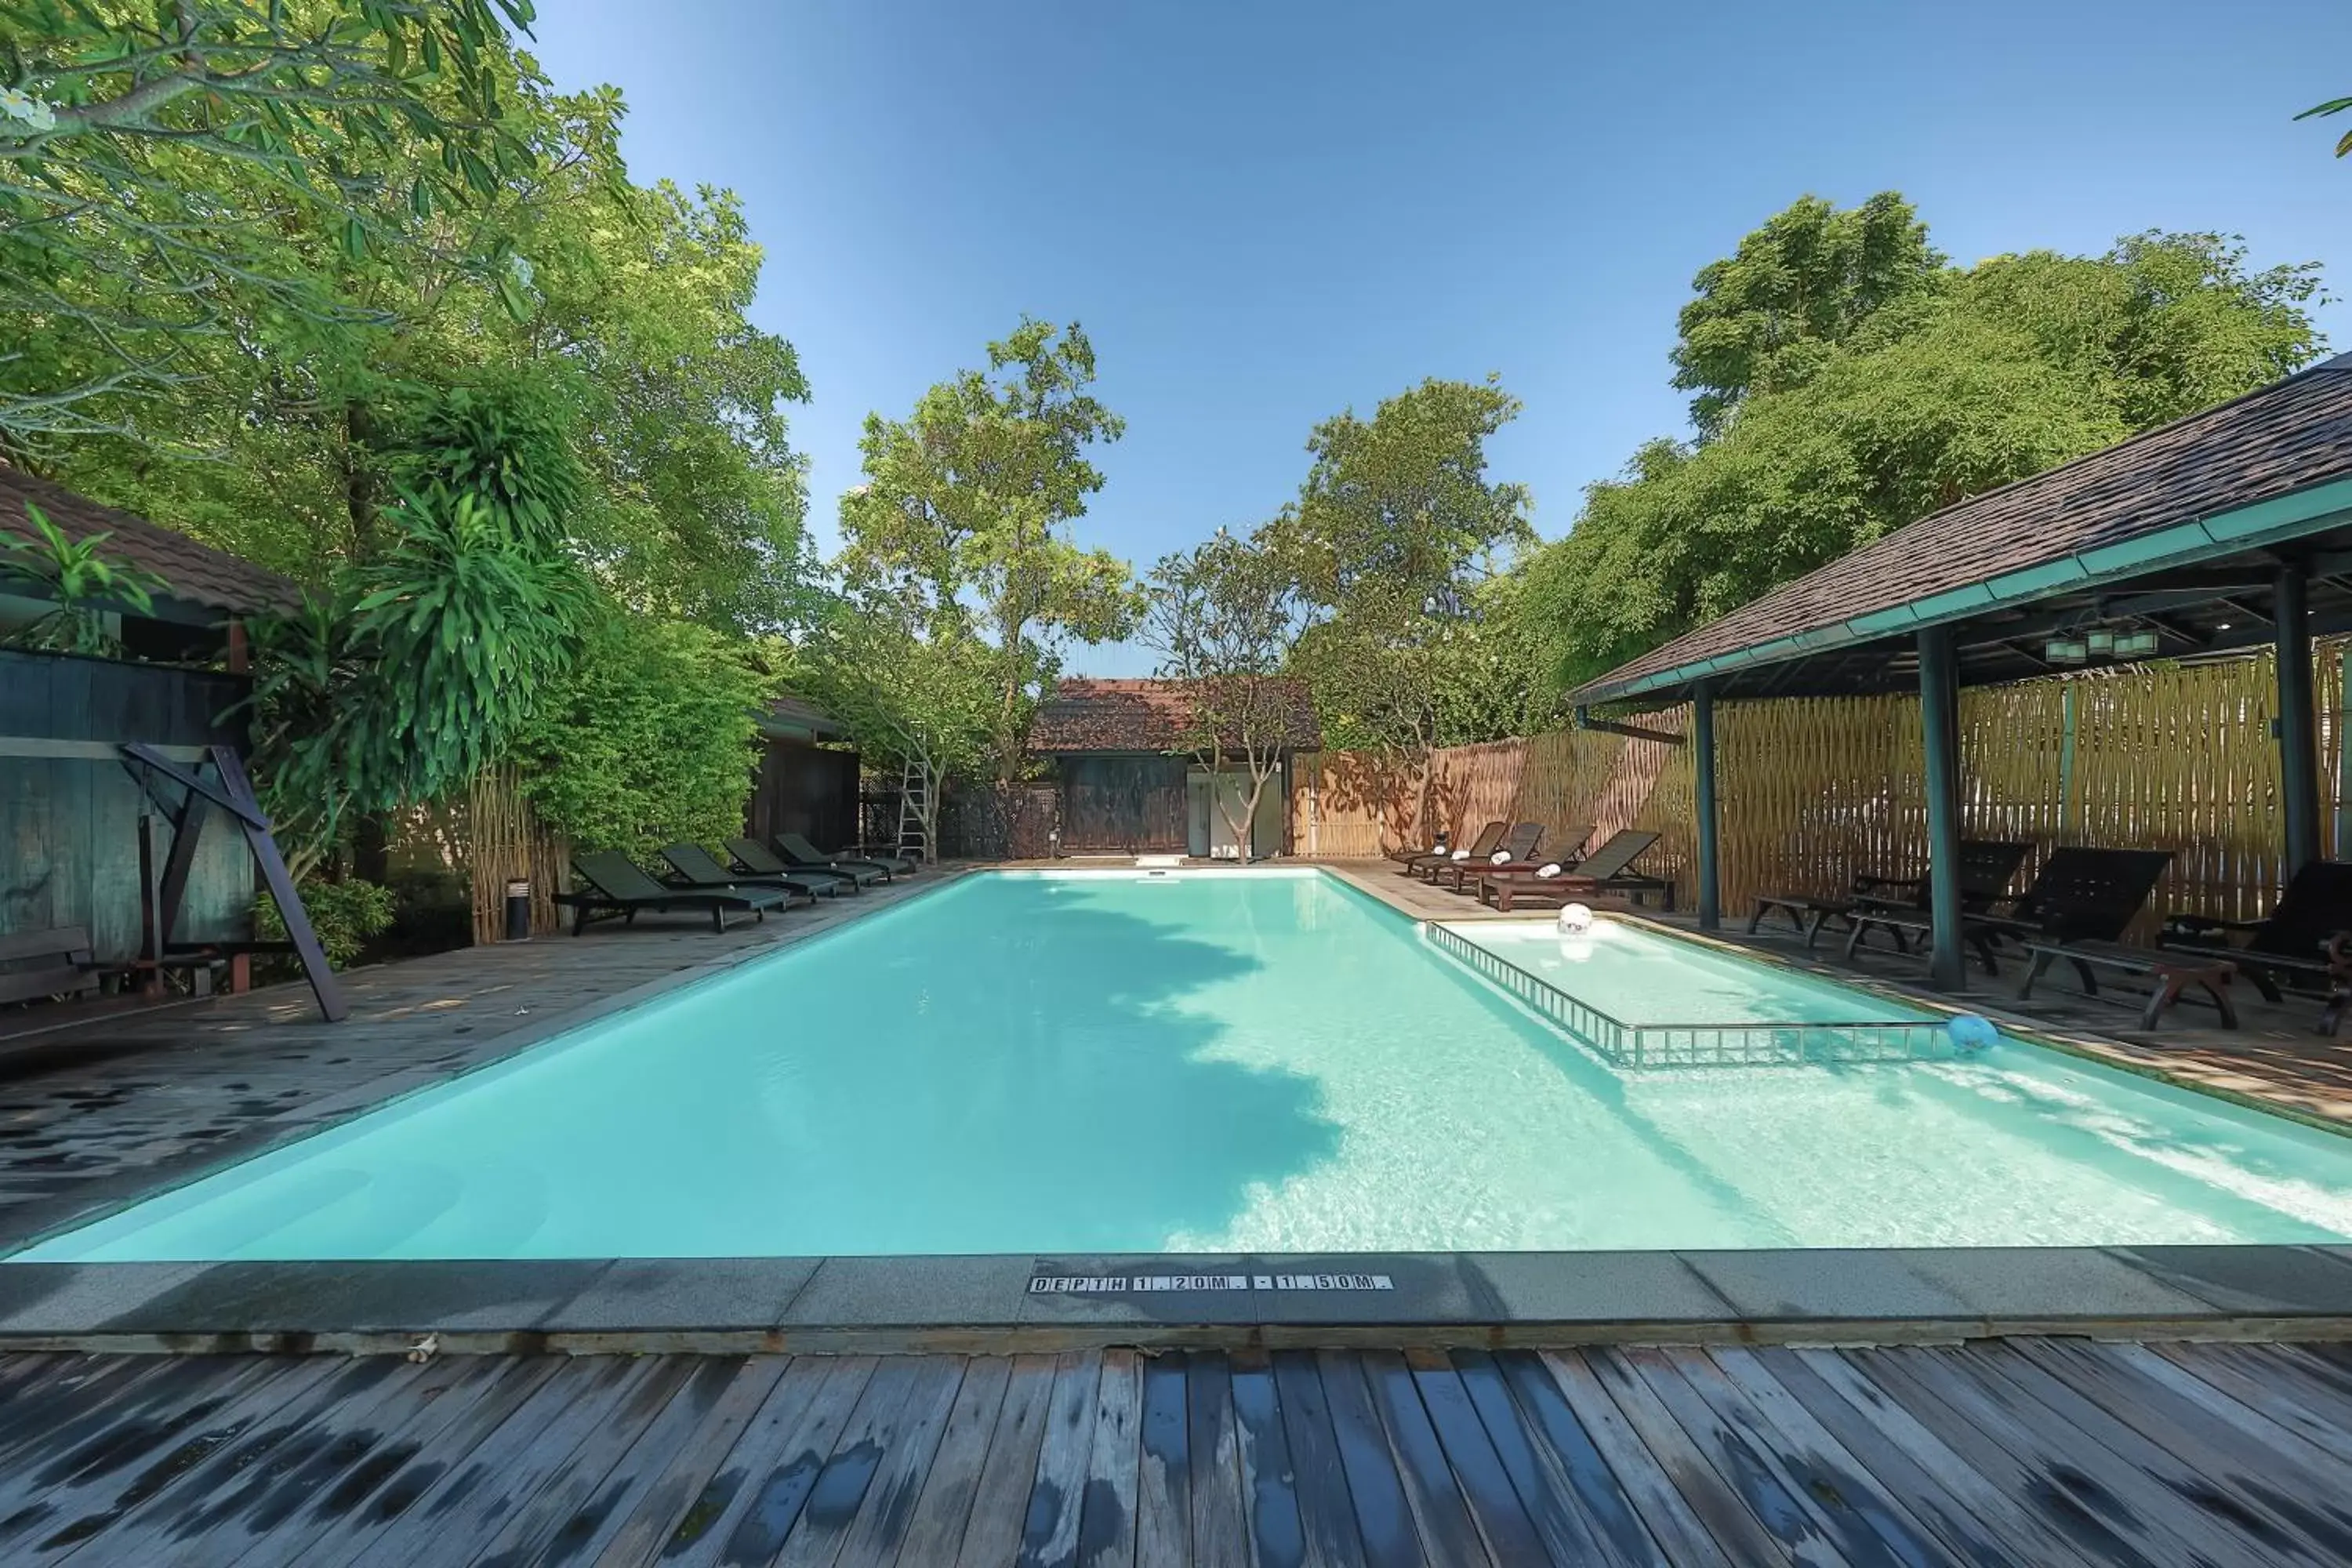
<point x="1104" y="1062"/>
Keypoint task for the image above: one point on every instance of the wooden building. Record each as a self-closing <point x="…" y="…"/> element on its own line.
<point x="69" y="811"/>
<point x="807" y="783"/>
<point x="1131" y="783"/>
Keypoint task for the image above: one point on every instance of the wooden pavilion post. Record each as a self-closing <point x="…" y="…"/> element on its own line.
<point x="1940" y="715"/>
<point x="2299" y="742"/>
<point x="1710" y="886"/>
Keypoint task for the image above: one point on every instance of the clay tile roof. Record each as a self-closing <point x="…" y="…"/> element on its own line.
<point x="2280" y="439"/>
<point x="1142" y="716"/>
<point x="198" y="573"/>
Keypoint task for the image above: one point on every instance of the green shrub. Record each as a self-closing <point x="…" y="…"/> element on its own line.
<point x="652" y="737"/>
<point x="344" y="914"/>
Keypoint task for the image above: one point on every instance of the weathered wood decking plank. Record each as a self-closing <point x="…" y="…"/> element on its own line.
<point x="1995" y="1452"/>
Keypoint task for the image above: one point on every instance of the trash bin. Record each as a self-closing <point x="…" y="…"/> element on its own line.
<point x="519" y="911"/>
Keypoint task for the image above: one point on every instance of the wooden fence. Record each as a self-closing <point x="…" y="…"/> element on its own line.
<point x="504" y="841"/>
<point x="1813" y="791"/>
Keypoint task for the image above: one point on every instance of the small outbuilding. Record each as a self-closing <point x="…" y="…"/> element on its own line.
<point x="1132" y="781"/>
<point x="808" y="781"/>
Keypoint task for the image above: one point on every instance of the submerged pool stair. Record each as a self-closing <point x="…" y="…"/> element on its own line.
<point x="1652" y="1045"/>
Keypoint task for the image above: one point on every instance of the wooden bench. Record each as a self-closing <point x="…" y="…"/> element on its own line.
<point x="2173" y="973"/>
<point x="39" y="963"/>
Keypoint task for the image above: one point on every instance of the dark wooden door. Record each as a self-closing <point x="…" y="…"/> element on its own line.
<point x="1131" y="804"/>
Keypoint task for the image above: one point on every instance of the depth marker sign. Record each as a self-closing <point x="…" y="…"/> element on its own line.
<point x="1146" y="1284"/>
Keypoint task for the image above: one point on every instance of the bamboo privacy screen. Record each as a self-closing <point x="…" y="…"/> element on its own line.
<point x="504" y="842"/>
<point x="1813" y="791"/>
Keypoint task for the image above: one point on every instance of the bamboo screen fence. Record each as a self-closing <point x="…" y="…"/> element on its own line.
<point x="504" y="841"/>
<point x="1813" y="791"/>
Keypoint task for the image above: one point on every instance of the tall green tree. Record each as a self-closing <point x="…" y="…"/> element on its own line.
<point x="1995" y="372"/>
<point x="1394" y="534"/>
<point x="965" y="518"/>
<point x="1224" y="617"/>
<point x="281" y="441"/>
<point x="152" y="159"/>
<point x="913" y="692"/>
<point x="1766" y="316"/>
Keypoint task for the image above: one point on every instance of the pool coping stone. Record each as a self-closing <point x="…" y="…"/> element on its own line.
<point x="1790" y="1296"/>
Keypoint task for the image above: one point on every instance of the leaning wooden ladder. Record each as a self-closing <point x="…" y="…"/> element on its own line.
<point x="914" y="794"/>
<point x="232" y="792"/>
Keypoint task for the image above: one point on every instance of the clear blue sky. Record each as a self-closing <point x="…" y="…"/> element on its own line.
<point x="1265" y="213"/>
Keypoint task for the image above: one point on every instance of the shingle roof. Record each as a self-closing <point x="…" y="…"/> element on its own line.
<point x="197" y="573"/>
<point x="1144" y="716"/>
<point x="2271" y="442"/>
<point x="789" y="713"/>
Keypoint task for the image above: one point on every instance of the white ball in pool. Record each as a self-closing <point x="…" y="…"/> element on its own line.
<point x="1971" y="1033"/>
<point x="1575" y="919"/>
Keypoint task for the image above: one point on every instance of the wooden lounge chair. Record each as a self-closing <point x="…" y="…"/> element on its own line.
<point x="613" y="885"/>
<point x="803" y="856"/>
<point x="2081" y="896"/>
<point x="35" y="964"/>
<point x="1607" y="870"/>
<point x="1566" y="852"/>
<point x="1516" y="846"/>
<point x="1489" y="839"/>
<point x="1986" y="867"/>
<point x="694" y="867"/>
<point x="757" y="861"/>
<point x="2296" y="944"/>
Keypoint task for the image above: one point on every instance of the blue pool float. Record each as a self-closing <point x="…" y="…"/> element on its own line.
<point x="1970" y="1033"/>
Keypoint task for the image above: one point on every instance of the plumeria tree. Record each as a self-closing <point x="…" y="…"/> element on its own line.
<point x="1223" y="617"/>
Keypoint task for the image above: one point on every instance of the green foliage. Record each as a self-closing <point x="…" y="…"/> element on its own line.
<point x="650" y="737"/>
<point x="907" y="693"/>
<point x="1224" y="617"/>
<point x="2333" y="106"/>
<point x="123" y="128"/>
<point x="1804" y="283"/>
<point x="82" y="581"/>
<point x="419" y="670"/>
<point x="346" y="915"/>
<point x="1394" y="540"/>
<point x="635" y="349"/>
<point x="1994" y="373"/>
<point x="964" y="518"/>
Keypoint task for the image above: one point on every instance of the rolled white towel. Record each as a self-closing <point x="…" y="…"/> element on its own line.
<point x="1500" y="857"/>
<point x="1462" y="854"/>
<point x="1548" y="869"/>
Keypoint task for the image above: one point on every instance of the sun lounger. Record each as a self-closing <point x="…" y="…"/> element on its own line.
<point x="801" y="855"/>
<point x="2295" y="944"/>
<point x="2174" y="973"/>
<point x="613" y="885"/>
<point x="755" y="859"/>
<point x="1516" y="846"/>
<point x="695" y="866"/>
<point x="1489" y="839"/>
<point x="1985" y="868"/>
<point x="1565" y="853"/>
<point x="2080" y="895"/>
<point x="1607" y="870"/>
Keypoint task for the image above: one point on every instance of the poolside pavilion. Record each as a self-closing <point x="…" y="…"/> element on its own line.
<point x="2226" y="532"/>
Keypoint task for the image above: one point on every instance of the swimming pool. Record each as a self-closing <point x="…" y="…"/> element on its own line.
<point x="1071" y="1062"/>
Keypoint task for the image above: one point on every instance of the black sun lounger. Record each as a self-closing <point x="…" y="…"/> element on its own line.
<point x="610" y="884"/>
<point x="698" y="867"/>
<point x="2297" y="943"/>
<point x="1607" y="870"/>
<point x="1515" y="847"/>
<point x="800" y="855"/>
<point x="2081" y="896"/>
<point x="1489" y="839"/>
<point x="1985" y="868"/>
<point x="757" y="861"/>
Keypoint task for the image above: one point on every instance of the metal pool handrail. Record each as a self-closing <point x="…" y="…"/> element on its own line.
<point x="1699" y="1045"/>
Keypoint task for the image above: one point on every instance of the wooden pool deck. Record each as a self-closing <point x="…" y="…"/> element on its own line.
<point x="2048" y="1452"/>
